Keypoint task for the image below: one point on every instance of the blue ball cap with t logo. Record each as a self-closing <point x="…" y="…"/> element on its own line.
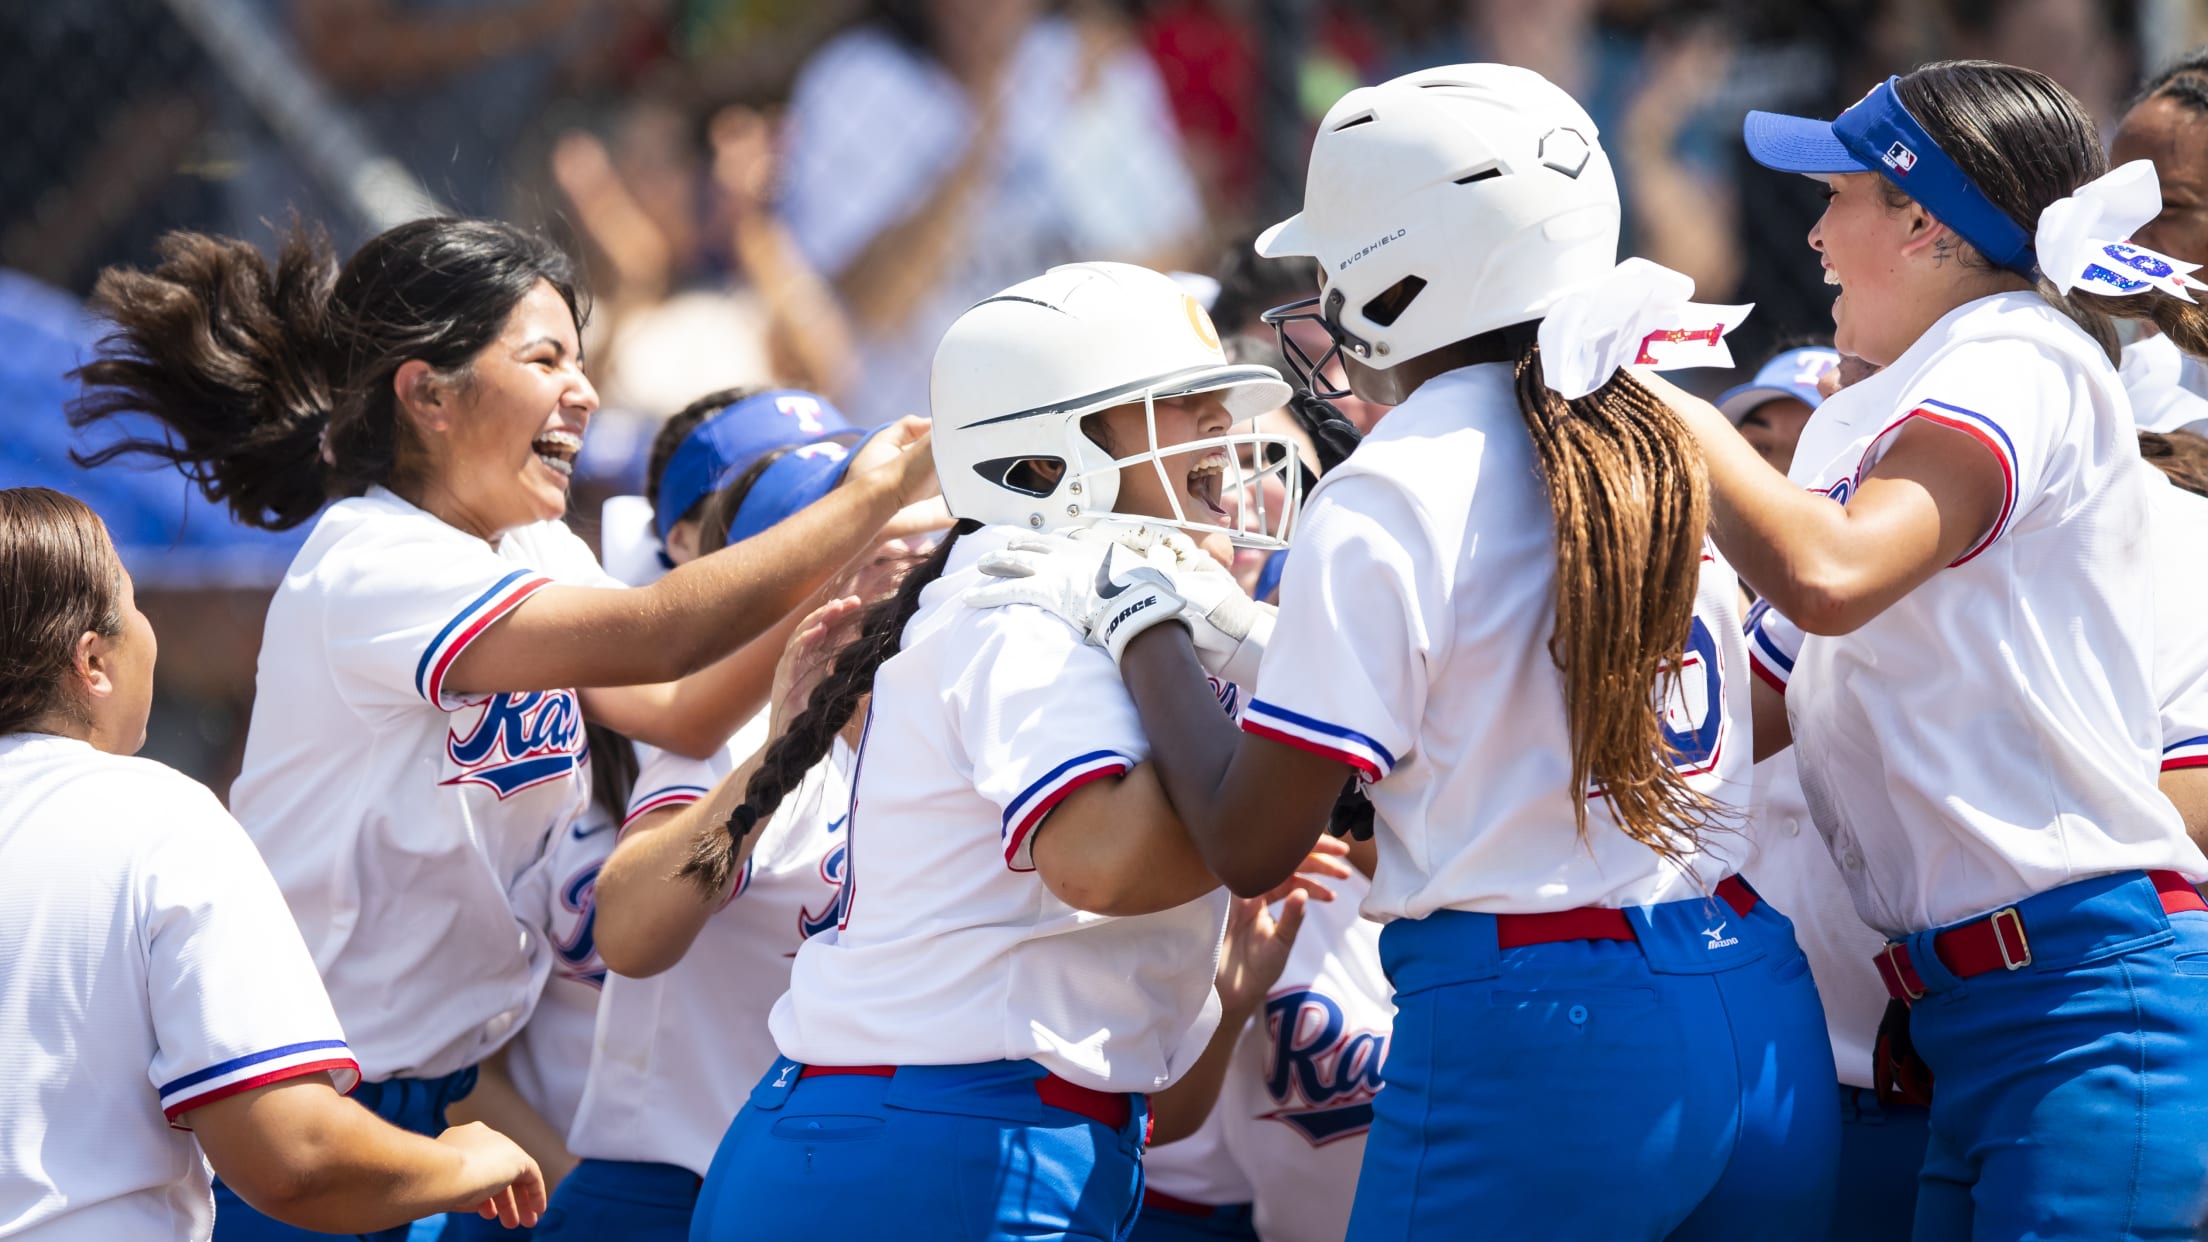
<point x="1793" y="373"/>
<point x="1878" y="135"/>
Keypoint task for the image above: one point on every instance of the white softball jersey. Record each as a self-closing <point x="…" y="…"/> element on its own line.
<point x="1412" y="645"/>
<point x="950" y="949"/>
<point x="550" y="1058"/>
<point x="1794" y="869"/>
<point x="2178" y="527"/>
<point x="677" y="1054"/>
<point x="151" y="969"/>
<point x="397" y="817"/>
<point x="1288" y="1133"/>
<point x="1993" y="734"/>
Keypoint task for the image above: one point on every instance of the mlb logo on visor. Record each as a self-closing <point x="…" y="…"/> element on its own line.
<point x="1900" y="158"/>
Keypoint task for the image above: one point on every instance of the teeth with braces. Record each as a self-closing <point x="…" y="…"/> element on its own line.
<point x="557" y="450"/>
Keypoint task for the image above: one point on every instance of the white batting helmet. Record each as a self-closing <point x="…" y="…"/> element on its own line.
<point x="1447" y="203"/>
<point x="1016" y="374"/>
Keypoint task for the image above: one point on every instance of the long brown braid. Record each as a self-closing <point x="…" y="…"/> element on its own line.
<point x="1631" y="500"/>
<point x="809" y="737"/>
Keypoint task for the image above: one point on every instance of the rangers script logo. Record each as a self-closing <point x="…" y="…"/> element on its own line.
<point x="1321" y="1074"/>
<point x="519" y="742"/>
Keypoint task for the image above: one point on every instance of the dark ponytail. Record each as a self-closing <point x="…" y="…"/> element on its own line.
<point x="2025" y="142"/>
<point x="809" y="737"/>
<point x="274" y="383"/>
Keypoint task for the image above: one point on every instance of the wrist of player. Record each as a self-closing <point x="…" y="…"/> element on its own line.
<point x="1138" y="605"/>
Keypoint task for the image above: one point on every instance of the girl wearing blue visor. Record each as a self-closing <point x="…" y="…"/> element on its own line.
<point x="1973" y="696"/>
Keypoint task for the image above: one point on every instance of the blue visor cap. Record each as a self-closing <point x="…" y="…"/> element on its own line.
<point x="1792" y="374"/>
<point x="725" y="445"/>
<point x="1878" y="135"/>
<point x="791" y="482"/>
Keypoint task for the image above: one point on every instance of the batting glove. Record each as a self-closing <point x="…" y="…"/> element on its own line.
<point x="1229" y="628"/>
<point x="1108" y="591"/>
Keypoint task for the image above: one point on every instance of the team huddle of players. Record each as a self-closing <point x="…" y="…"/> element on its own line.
<point x="1393" y="838"/>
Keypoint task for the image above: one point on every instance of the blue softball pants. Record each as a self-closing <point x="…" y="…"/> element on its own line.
<point x="1679" y="1086"/>
<point x="2070" y="1096"/>
<point x="938" y="1153"/>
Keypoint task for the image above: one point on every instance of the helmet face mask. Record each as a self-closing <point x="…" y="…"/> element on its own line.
<point x="1016" y="374"/>
<point x="1250" y="521"/>
<point x="1311" y="374"/>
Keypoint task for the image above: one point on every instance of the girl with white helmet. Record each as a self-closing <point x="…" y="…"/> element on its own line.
<point x="1502" y="617"/>
<point x="1975" y="698"/>
<point x="1025" y="942"/>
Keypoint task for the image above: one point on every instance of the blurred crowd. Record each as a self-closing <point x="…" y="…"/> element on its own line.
<point x="807" y="191"/>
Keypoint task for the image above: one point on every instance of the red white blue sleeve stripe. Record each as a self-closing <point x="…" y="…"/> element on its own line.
<point x="1773" y="643"/>
<point x="2190" y="753"/>
<point x="1996" y="441"/>
<point x="1037" y="799"/>
<point x="660" y="799"/>
<point x="1361" y="752"/>
<point x="467" y="625"/>
<point x="258" y="1069"/>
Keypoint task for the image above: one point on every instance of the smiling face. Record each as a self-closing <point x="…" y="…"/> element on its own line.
<point x="2175" y="138"/>
<point x="1196" y="479"/>
<point x="500" y="441"/>
<point x="1860" y="240"/>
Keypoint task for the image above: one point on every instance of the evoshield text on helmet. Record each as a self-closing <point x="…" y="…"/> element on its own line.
<point x="1016" y="374"/>
<point x="1441" y="205"/>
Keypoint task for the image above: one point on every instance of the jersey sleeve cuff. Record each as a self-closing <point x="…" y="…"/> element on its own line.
<point x="1035" y="802"/>
<point x="2190" y="753"/>
<point x="1996" y="441"/>
<point x="664" y="798"/>
<point x="1773" y="644"/>
<point x="259" y="1069"/>
<point x="465" y="627"/>
<point x="1360" y="751"/>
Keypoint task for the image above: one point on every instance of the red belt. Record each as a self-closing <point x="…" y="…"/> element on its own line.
<point x="1159" y="1201"/>
<point x="1997" y="942"/>
<point x="1514" y="931"/>
<point x="1107" y="1108"/>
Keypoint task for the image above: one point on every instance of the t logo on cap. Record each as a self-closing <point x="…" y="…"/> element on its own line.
<point x="1901" y="159"/>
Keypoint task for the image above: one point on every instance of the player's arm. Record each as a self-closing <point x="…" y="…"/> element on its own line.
<point x="700" y="613"/>
<point x="1774" y="732"/>
<point x="1831" y="568"/>
<point x="697" y="715"/>
<point x="646" y="914"/>
<point x="1114" y="846"/>
<point x="1251" y="807"/>
<point x="299" y="1152"/>
<point x="498" y="1103"/>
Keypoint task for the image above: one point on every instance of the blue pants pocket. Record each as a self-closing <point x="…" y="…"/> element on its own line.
<point x="828" y="1128"/>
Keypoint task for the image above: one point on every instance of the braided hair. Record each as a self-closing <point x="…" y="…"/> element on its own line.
<point x="1631" y="503"/>
<point x="809" y="737"/>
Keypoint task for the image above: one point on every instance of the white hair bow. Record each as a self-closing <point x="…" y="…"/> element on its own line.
<point x="2083" y="241"/>
<point x="1639" y="314"/>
